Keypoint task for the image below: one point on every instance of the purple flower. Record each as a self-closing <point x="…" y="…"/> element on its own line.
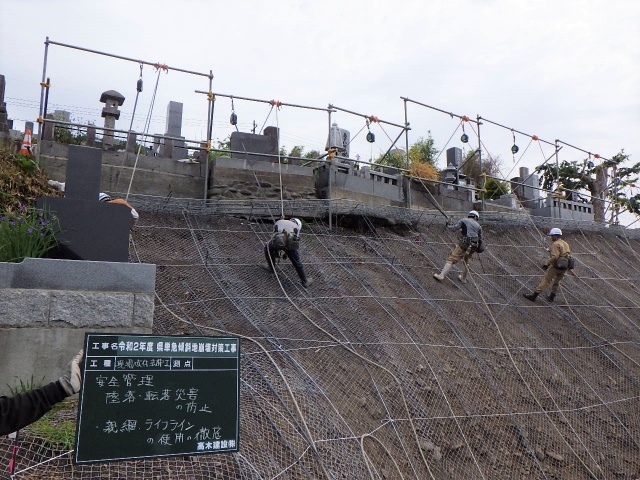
<point x="3" y="218"/>
<point x="12" y="222"/>
<point x="23" y="207"/>
<point x="29" y="230"/>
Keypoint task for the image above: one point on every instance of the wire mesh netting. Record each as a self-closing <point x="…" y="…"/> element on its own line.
<point x="377" y="370"/>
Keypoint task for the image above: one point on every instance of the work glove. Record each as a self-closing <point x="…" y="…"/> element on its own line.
<point x="449" y="222"/>
<point x="73" y="380"/>
<point x="545" y="266"/>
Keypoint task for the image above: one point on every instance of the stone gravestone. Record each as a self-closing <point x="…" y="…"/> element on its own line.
<point x="90" y="230"/>
<point x="4" y="121"/>
<point x="174" y="148"/>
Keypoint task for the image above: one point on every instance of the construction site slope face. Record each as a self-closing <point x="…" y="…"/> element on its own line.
<point x="379" y="371"/>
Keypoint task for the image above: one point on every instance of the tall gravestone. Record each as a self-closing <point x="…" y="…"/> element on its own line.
<point x="89" y="229"/>
<point x="174" y="148"/>
<point x="4" y="122"/>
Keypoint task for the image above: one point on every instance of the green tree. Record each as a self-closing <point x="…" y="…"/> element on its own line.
<point x="423" y="150"/>
<point x="572" y="177"/>
<point x="471" y="166"/>
<point x="68" y="135"/>
<point x="225" y="144"/>
<point x="395" y="158"/>
<point x="296" y="151"/>
<point x="494" y="189"/>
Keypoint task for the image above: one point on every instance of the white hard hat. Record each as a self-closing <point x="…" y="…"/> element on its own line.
<point x="473" y="213"/>
<point x="103" y="197"/>
<point x="555" y="231"/>
<point x="297" y="222"/>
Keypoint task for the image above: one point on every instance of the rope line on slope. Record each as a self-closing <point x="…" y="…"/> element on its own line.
<point x="531" y="392"/>
<point x="357" y="354"/>
<point x="429" y="363"/>
<point x="480" y="363"/>
<point x="312" y="443"/>
<point x="305" y="428"/>
<point x="146" y="132"/>
<point x="522" y="376"/>
<point x="536" y="230"/>
<point x="582" y="378"/>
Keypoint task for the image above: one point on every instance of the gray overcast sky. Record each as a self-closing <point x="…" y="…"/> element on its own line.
<point x="567" y="70"/>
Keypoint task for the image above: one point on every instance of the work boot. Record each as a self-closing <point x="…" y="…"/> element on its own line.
<point x="271" y="261"/>
<point x="304" y="280"/>
<point x="463" y="276"/>
<point x="551" y="297"/>
<point x="445" y="271"/>
<point x="531" y="296"/>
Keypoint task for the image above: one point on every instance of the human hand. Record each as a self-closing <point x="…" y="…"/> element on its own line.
<point x="73" y="380"/>
<point x="545" y="266"/>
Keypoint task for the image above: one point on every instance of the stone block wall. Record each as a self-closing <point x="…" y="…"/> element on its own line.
<point x="47" y="306"/>
<point x="233" y="178"/>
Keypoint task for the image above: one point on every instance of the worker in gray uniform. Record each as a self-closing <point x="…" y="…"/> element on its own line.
<point x="469" y="242"/>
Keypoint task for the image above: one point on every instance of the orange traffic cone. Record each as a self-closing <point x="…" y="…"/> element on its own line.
<point x="26" y="143"/>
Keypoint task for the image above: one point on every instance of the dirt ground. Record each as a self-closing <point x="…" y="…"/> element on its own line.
<point x="379" y="371"/>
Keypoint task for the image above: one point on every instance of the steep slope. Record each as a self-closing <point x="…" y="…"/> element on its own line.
<point x="378" y="371"/>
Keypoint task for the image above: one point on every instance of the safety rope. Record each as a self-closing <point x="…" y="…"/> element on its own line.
<point x="293" y="397"/>
<point x="277" y="105"/>
<point x="517" y="369"/>
<point x="506" y="347"/>
<point x="350" y="349"/>
<point x="133" y="116"/>
<point x="542" y="410"/>
<point x="159" y="67"/>
<point x="445" y="145"/>
<point x="409" y="335"/>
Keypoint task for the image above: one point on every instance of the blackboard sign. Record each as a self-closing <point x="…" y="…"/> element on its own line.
<point x="149" y="396"/>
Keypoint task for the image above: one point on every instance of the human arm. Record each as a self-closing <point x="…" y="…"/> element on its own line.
<point x="455" y="226"/>
<point x="134" y="217"/>
<point x="25" y="408"/>
<point x="554" y="253"/>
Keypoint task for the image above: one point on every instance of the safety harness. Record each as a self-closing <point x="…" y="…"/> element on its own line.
<point x="471" y="244"/>
<point x="285" y="240"/>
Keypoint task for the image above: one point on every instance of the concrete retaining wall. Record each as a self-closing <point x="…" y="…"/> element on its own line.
<point x="153" y="175"/>
<point x="47" y="305"/>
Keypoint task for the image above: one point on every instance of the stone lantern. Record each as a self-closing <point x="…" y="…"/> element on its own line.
<point x="110" y="113"/>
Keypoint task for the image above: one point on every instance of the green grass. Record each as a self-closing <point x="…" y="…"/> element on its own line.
<point x="24" y="386"/>
<point x="58" y="431"/>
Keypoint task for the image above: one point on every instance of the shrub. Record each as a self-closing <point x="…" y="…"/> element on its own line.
<point x="28" y="232"/>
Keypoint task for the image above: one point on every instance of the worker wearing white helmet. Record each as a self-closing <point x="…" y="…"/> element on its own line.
<point x="556" y="266"/>
<point x="103" y="197"/>
<point x="469" y="242"/>
<point x="286" y="238"/>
